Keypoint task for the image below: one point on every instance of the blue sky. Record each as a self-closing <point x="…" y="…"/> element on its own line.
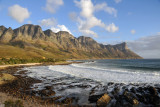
<point x="107" y="21"/>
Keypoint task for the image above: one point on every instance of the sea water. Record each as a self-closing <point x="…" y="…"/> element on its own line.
<point x="117" y="71"/>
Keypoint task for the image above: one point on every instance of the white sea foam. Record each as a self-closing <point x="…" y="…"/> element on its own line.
<point x="104" y="75"/>
<point x="43" y="73"/>
<point x="99" y="74"/>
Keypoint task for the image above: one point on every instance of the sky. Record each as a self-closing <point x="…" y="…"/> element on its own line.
<point x="136" y="22"/>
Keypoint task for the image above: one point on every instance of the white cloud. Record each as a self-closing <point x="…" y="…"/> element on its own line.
<point x="87" y="20"/>
<point x="53" y="5"/>
<point x="87" y="8"/>
<point x="52" y="23"/>
<point x="133" y="31"/>
<point x="112" y="28"/>
<point x="63" y="28"/>
<point x="60" y="28"/>
<point x="147" y="47"/>
<point x="106" y="8"/>
<point x="55" y="29"/>
<point x="48" y="22"/>
<point x="118" y="1"/>
<point x="18" y="13"/>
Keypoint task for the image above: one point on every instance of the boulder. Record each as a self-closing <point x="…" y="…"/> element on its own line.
<point x="135" y="102"/>
<point x="131" y="98"/>
<point x="5" y="78"/>
<point x="104" y="100"/>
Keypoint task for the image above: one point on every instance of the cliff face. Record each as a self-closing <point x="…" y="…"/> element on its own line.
<point x="61" y="43"/>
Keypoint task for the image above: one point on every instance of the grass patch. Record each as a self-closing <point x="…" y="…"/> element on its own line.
<point x="11" y="103"/>
<point x="4" y="78"/>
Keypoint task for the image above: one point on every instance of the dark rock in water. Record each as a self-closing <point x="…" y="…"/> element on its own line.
<point x="48" y="87"/>
<point x="104" y="100"/>
<point x="152" y="90"/>
<point x="158" y="89"/>
<point x="110" y="83"/>
<point x="130" y="98"/>
<point x="67" y="101"/>
<point x="94" y="98"/>
<point x="46" y="93"/>
<point x="135" y="102"/>
<point x="148" y="95"/>
<point x="133" y="90"/>
<point x="115" y="91"/>
<point x="51" y="93"/>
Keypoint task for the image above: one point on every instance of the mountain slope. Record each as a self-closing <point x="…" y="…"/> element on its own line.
<point x="30" y="41"/>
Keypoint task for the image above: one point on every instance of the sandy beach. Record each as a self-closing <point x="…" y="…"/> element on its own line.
<point x="18" y="65"/>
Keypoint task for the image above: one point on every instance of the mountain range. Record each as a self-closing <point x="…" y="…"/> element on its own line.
<point x="30" y="41"/>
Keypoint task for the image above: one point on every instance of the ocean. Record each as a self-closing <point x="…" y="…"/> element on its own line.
<point x="117" y="71"/>
<point x="78" y="80"/>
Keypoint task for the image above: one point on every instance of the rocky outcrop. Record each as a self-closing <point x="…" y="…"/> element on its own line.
<point x="5" y="78"/>
<point x="104" y="100"/>
<point x="2" y="29"/>
<point x="88" y="43"/>
<point x="6" y="35"/>
<point x="29" y="32"/>
<point x="81" y="47"/>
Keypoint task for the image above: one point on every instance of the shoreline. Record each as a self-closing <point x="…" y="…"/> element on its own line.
<point x="19" y="65"/>
<point x="10" y="95"/>
<point x="10" y="90"/>
<point x="2" y="67"/>
<point x="103" y="59"/>
<point x="120" y="92"/>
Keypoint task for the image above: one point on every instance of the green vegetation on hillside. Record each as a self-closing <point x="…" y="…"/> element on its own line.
<point x="10" y="103"/>
<point x="4" y="61"/>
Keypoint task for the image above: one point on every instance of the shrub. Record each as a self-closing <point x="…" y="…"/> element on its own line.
<point x="10" y="103"/>
<point x="5" y="61"/>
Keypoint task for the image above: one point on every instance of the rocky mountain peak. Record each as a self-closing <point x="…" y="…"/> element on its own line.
<point x="30" y="25"/>
<point x="6" y="34"/>
<point x="10" y="29"/>
<point x="64" y="34"/>
<point x="34" y="31"/>
<point x="62" y="42"/>
<point x="122" y="46"/>
<point x="49" y="32"/>
<point x="30" y="28"/>
<point x="84" y="39"/>
<point x="2" y="27"/>
<point x="88" y="42"/>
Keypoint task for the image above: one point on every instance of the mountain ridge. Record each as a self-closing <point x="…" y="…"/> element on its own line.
<point x="61" y="44"/>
